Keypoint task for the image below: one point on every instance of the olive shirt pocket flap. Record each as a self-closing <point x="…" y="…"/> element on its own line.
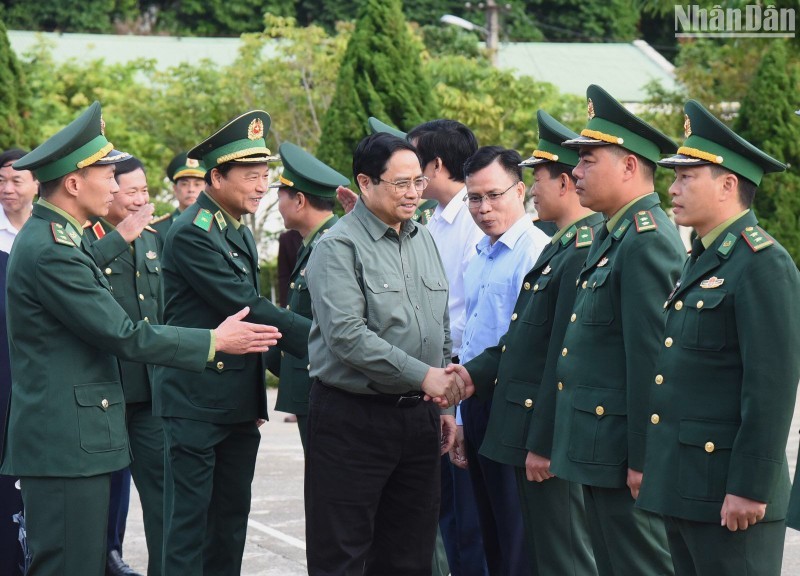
<point x="708" y="434"/>
<point x="600" y="401"/>
<point x="102" y="394"/>
<point x="383" y="283"/>
<point x="433" y="283"/>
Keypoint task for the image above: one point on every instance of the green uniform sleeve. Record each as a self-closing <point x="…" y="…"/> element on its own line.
<point x="107" y="248"/>
<point x="199" y="260"/>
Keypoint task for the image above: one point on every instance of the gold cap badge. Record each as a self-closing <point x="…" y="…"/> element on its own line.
<point x="687" y="126"/>
<point x="102" y="126"/>
<point x="255" y="130"/>
<point x="590" y="109"/>
<point x="192" y="163"/>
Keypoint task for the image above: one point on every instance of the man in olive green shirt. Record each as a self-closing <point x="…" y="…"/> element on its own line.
<point x="379" y="339"/>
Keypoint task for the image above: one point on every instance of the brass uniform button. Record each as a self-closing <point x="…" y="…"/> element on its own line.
<point x="655" y="419"/>
<point x="678" y="305"/>
<point x="288" y="307"/>
<point x="560" y="385"/>
<point x="710" y="447"/>
<point x="668" y="342"/>
<point x="577" y="281"/>
<point x="599" y="410"/>
<point x="156" y="268"/>
<point x="564" y="352"/>
<point x="503" y="349"/>
<point x="138" y="274"/>
<point x="535" y="287"/>
<point x="700" y="304"/>
<point x="308" y="367"/>
<point x="220" y="365"/>
<point x="291" y="285"/>
<point x="495" y="381"/>
<point x="513" y="316"/>
<point x="141" y="296"/>
<point x="527" y="285"/>
<point x="104" y="404"/>
<point x="281" y="353"/>
<point x="573" y="317"/>
<point x="585" y="284"/>
<point x="659" y="379"/>
<point x="528" y="403"/>
<point x="146" y="319"/>
<point x="666" y="304"/>
<point x="108" y="271"/>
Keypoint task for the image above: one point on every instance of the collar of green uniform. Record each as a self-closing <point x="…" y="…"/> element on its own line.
<point x="614" y="220"/>
<point x="709" y="238"/>
<point x="590" y="220"/>
<point x="311" y="235"/>
<point x="215" y="206"/>
<point x="710" y="141"/>
<point x="68" y="217"/>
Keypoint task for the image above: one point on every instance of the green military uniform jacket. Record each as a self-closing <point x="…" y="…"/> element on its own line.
<point x="522" y="365"/>
<point x="67" y="414"/>
<point x="294" y="384"/>
<point x="610" y="347"/>
<point x="723" y="391"/>
<point x="162" y="224"/>
<point x="135" y="278"/>
<point x="210" y="273"/>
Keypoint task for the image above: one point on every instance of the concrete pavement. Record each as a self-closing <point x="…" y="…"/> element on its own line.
<point x="276" y="535"/>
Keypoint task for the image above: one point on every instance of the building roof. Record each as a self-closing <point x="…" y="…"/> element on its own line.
<point x="621" y="68"/>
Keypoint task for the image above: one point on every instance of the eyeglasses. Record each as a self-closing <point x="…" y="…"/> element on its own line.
<point x="404" y="186"/>
<point x="475" y="200"/>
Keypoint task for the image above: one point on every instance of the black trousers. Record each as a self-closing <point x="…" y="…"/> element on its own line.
<point x="371" y="485"/>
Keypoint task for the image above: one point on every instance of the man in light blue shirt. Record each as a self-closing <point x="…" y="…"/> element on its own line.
<point x="492" y="281"/>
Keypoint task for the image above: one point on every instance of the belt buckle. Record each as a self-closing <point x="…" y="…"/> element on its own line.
<point x="408" y="401"/>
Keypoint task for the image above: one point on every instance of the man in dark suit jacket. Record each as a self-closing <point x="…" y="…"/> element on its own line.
<point x="210" y="420"/>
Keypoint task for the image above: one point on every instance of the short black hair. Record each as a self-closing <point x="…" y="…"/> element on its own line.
<point x="746" y="188"/>
<point x="223" y="170"/>
<point x="10" y="156"/>
<point x="46" y="189"/>
<point x="556" y="169"/>
<point x="316" y="202"/>
<point x="373" y="153"/>
<point x="127" y="166"/>
<point x="449" y="140"/>
<point x="507" y="158"/>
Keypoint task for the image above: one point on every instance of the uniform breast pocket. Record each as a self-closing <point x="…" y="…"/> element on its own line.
<point x="300" y="299"/>
<point x="384" y="296"/>
<point x="704" y="322"/>
<point x="538" y="309"/>
<point x="598" y="307"/>
<point x="599" y="428"/>
<point x="705" y="452"/>
<point x="519" y="399"/>
<point x="239" y="266"/>
<point x="101" y="416"/>
<point x="436" y="293"/>
<point x="154" y="276"/>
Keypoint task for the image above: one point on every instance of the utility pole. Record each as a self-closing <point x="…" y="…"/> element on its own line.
<point x="493" y="26"/>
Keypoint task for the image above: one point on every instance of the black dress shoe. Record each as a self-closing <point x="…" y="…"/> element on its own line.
<point x="116" y="566"/>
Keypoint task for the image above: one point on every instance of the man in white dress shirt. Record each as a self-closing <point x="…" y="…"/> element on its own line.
<point x="17" y="190"/>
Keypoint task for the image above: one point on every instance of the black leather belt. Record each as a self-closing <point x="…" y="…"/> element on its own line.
<point x="407" y="400"/>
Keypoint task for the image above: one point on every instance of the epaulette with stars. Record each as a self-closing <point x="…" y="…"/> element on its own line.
<point x="645" y="221"/>
<point x="584" y="237"/>
<point x="757" y="238"/>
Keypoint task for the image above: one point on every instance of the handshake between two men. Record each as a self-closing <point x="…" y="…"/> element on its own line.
<point x="447" y="386"/>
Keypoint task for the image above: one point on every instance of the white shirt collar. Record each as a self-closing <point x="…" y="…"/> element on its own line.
<point x="453" y="207"/>
<point x="511" y="236"/>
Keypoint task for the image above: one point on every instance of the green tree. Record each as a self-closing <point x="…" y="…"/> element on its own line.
<point x="766" y="119"/>
<point x="578" y="20"/>
<point x="13" y="97"/>
<point x="381" y="75"/>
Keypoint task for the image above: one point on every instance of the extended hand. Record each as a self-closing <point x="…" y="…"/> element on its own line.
<point x="236" y="337"/>
<point x="132" y="225"/>
<point x="537" y="468"/>
<point x="634" y="482"/>
<point x="739" y="513"/>
<point x="463" y="375"/>
<point x="458" y="453"/>
<point x="445" y="388"/>
<point x="347" y="198"/>
<point x="448" y="432"/>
